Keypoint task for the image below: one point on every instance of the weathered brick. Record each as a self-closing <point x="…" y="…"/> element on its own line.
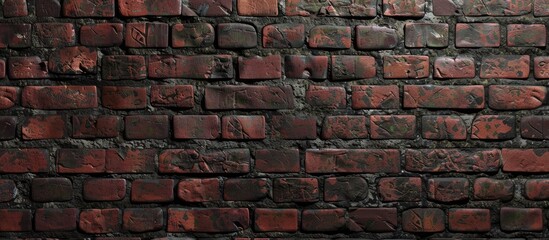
<point x="503" y="97"/>
<point x="152" y="190"/>
<point x="330" y="37"/>
<point x="236" y="35"/>
<point x="15" y="35"/>
<point x="27" y="68"/>
<point x="541" y="68"/>
<point x="48" y="8"/>
<point x="454" y="67"/>
<point x="284" y="35"/>
<point x="359" y="8"/>
<point x="102" y="35"/>
<point x="526" y="35"/>
<point x="496" y="8"/>
<point x="73" y="60"/>
<point x="477" y="35"/>
<point x="147" y="35"/>
<point x="96" y="221"/>
<point x="55" y="219"/>
<point x="323" y="220"/>
<point x="252" y="189"/>
<point x="20" y="220"/>
<point x="534" y="127"/>
<point x="326" y="97"/>
<point x="172" y="96"/>
<point x="277" y="161"/>
<point x="392" y="126"/>
<point x="54" y="34"/>
<point x="455" y="97"/>
<point x="521" y="219"/>
<point x="353" y="67"/>
<point x="493" y="189"/>
<point x="400" y="189"/>
<point x="259" y="68"/>
<point x="431" y="35"/>
<point x="452" y="160"/>
<point x="345" y="127"/>
<point x="2" y="68"/>
<point x="196" y="126"/>
<point x="405" y="66"/>
<point x="443" y="127"/>
<point x="123" y="67"/>
<point x="293" y="127"/>
<point x="192" y="161"/>
<point x="199" y="190"/>
<point x="140" y="220"/>
<point x="541" y="8"/>
<point x="352" y="161"/>
<point x="104" y="189"/>
<point x="448" y="189"/>
<point x="276" y="220"/>
<point x="40" y="127"/>
<point x="8" y="97"/>
<point x="423" y="220"/>
<point x="505" y="66"/>
<point x="195" y="67"/>
<point x="208" y="8"/>
<point x="80" y="161"/>
<point x="8" y="190"/>
<point x="243" y="127"/>
<point x="88" y="8"/>
<point x="373" y="96"/>
<point x="59" y="97"/>
<point x="257" y="8"/>
<point x="493" y="127"/>
<point x="51" y="189"/>
<point x="373" y="37"/>
<point x="248" y="97"/>
<point x="15" y="8"/>
<point x="306" y="67"/>
<point x="149" y="8"/>
<point x="469" y="220"/>
<point x="192" y="35"/>
<point x="96" y="126"/>
<point x="446" y="8"/>
<point x="525" y="160"/>
<point x="124" y="98"/>
<point x="404" y="8"/>
<point x="24" y="160"/>
<point x="8" y="127"/>
<point x="352" y="189"/>
<point x="147" y="127"/>
<point x="300" y="190"/>
<point x="130" y="160"/>
<point x="372" y="219"/>
<point x="211" y="220"/>
<point x="535" y="189"/>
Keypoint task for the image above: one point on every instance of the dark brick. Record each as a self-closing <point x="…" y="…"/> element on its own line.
<point x="196" y="126"/>
<point x="92" y="126"/>
<point x="353" y="67"/>
<point x="149" y="8"/>
<point x="15" y="35"/>
<point x="352" y="189"/>
<point x="51" y="189"/>
<point x="536" y="189"/>
<point x="469" y="220"/>
<point x="276" y="220"/>
<point x="152" y="190"/>
<point x="363" y="8"/>
<point x="8" y="97"/>
<point x="330" y="37"/>
<point x="306" y="67"/>
<point x="73" y="60"/>
<point x="405" y="66"/>
<point x="404" y="8"/>
<point x="400" y="189"/>
<point x="526" y="35"/>
<point x="373" y="37"/>
<point x="24" y="160"/>
<point x="326" y="97"/>
<point x="392" y="126"/>
<point x="20" y="220"/>
<point x="15" y="8"/>
<point x="345" y="127"/>
<point x="534" y="127"/>
<point x="352" y="161"/>
<point x="102" y="35"/>
<point x="248" y="97"/>
<point x="277" y="161"/>
<point x="55" y="219"/>
<point x="54" y="34"/>
<point x="521" y="219"/>
<point x="370" y="96"/>
<point x="323" y="220"/>
<point x="124" y="67"/>
<point x="147" y="127"/>
<point x="48" y="8"/>
<point x="431" y="35"/>
<point x="448" y="189"/>
<point x="147" y="35"/>
<point x="200" y="190"/>
<point x="80" y="161"/>
<point x="372" y="220"/>
<point x="27" y="68"/>
<point x="96" y="221"/>
<point x="443" y="127"/>
<point x="195" y="67"/>
<point x="192" y="35"/>
<point x="493" y="127"/>
<point x="452" y="160"/>
<point x="477" y="35"/>
<point x="104" y="189"/>
<point x="293" y="127"/>
<point x="455" y="97"/>
<point x="208" y="8"/>
<point x="246" y="189"/>
<point x="496" y="8"/>
<point x="299" y="190"/>
<point x="505" y="66"/>
<point x="88" y="8"/>
<point x="126" y="160"/>
<point x="493" y="189"/>
<point x="502" y="97"/>
<point x="181" y="96"/>
<point x="140" y="220"/>
<point x="191" y="161"/>
<point x="423" y="220"/>
<point x="40" y="127"/>
<point x="446" y="8"/>
<point x="243" y="127"/>
<point x="211" y="220"/>
<point x="284" y="35"/>
<point x="8" y="127"/>
<point x="8" y="190"/>
<point x="236" y="35"/>
<point x="124" y="98"/>
<point x="59" y="97"/>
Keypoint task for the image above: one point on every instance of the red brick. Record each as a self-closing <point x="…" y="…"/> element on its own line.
<point x="423" y="220"/>
<point x="276" y="220"/>
<point x="469" y="220"/>
<point x="102" y="35"/>
<point x="299" y="190"/>
<point x="248" y="97"/>
<point x="400" y="189"/>
<point x="27" y="68"/>
<point x="8" y="97"/>
<point x="323" y="220"/>
<point x="443" y="127"/>
<point x="285" y="35"/>
<point x="541" y="68"/>
<point x="535" y="189"/>
<point x="191" y="161"/>
<point x="8" y="127"/>
<point x="448" y="189"/>
<point x="454" y="67"/>
<point x="96" y="221"/>
<point x="452" y="160"/>
<point x="243" y="127"/>
<point x="96" y="126"/>
<point x="345" y="127"/>
<point x="534" y="127"/>
<point x="306" y="67"/>
<point x="404" y="8"/>
<point x="370" y="96"/>
<point x="8" y="190"/>
<point x="246" y="189"/>
<point x="352" y="161"/>
<point x="149" y="8"/>
<point x="147" y="127"/>
<point x="24" y="160"/>
<point x="15" y="35"/>
<point x="526" y="35"/>
<point x="502" y="97"/>
<point x="505" y="66"/>
<point x="372" y="220"/>
<point x="277" y="161"/>
<point x="172" y="96"/>
<point x="192" y="35"/>
<point x="88" y="8"/>
<point x="152" y="190"/>
<point x="326" y="97"/>
<point x="353" y="67"/>
<point x="147" y="35"/>
<point x="493" y="189"/>
<point x="208" y="8"/>
<point x="195" y="67"/>
<point x="73" y="60"/>
<point x="477" y="35"/>
<point x="59" y="97"/>
<point x="373" y="37"/>
<point x="39" y="127"/>
<point x="51" y="189"/>
<point x="199" y="190"/>
<point x="455" y="97"/>
<point x="541" y="8"/>
<point x="80" y="161"/>
<point x="140" y="220"/>
<point x="196" y="126"/>
<point x="123" y="67"/>
<point x="211" y="220"/>
<point x="54" y="34"/>
<point x="20" y="220"/>
<point x="446" y="8"/>
<point x="48" y="8"/>
<point x="305" y="8"/>
<point x="257" y="8"/>
<point x="259" y="68"/>
<point x="392" y="126"/>
<point x="525" y="160"/>
<point x="55" y="219"/>
<point x="521" y="219"/>
<point x="330" y="37"/>
<point x="104" y="189"/>
<point x="294" y="127"/>
<point x="493" y="127"/>
<point x="431" y="35"/>
<point x="15" y="8"/>
<point x="128" y="160"/>
<point x="496" y="8"/>
<point x="236" y="35"/>
<point x="124" y="98"/>
<point x="351" y="189"/>
<point x="405" y="66"/>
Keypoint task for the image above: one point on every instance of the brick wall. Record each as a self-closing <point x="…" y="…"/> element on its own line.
<point x="174" y="119"/>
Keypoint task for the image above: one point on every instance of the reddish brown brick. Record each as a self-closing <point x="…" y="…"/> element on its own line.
<point x="172" y="96"/>
<point x="534" y="127"/>
<point x="326" y="97"/>
<point x="211" y="220"/>
<point x="104" y="189"/>
<point x="505" y="66"/>
<point x="404" y="8"/>
<point x="401" y="189"/>
<point x="477" y="35"/>
<point x="243" y="127"/>
<point x="526" y="35"/>
<point x="284" y="35"/>
<point x="277" y="161"/>
<point x="39" y="127"/>
<point x="129" y="160"/>
<point x="446" y="8"/>
<point x="55" y="219"/>
<point x="493" y="189"/>
<point x="236" y="35"/>
<point x="454" y="67"/>
<point x="373" y="37"/>
<point x="276" y="220"/>
<point x="541" y="67"/>
<point x="208" y="8"/>
<point x="152" y="190"/>
<point x="541" y="8"/>
<point x="59" y="97"/>
<point x="102" y="35"/>
<point x="370" y="96"/>
<point x="24" y="160"/>
<point x="88" y="8"/>
<point x="192" y="161"/>
<point x="293" y="127"/>
<point x="92" y="126"/>
<point x="73" y="60"/>
<point x="51" y="189"/>
<point x="15" y="8"/>
<point x="149" y="8"/>
<point x="521" y="219"/>
<point x="330" y="37"/>
<point x="54" y="34"/>
<point x="140" y="220"/>
<point x="469" y="220"/>
<point x="27" y="68"/>
<point x="48" y="8"/>
<point x="196" y="126"/>
<point x="502" y="97"/>
<point x="192" y="35"/>
<point x="257" y="8"/>
<point x="443" y="127"/>
<point x="123" y="67"/>
<point x="99" y="220"/>
<point x="300" y="190"/>
<point x="352" y="189"/>
<point x="323" y="220"/>
<point x="535" y="189"/>
<point x="248" y="97"/>
<point x="15" y="35"/>
<point x="493" y="127"/>
<point x="452" y="160"/>
<point x="496" y="8"/>
<point x="8" y="97"/>
<point x="252" y="189"/>
<point x="258" y="68"/>
<point x="124" y="98"/>
<point x="525" y="160"/>
<point x="199" y="190"/>
<point x="8" y="190"/>
<point x="405" y="66"/>
<point x="431" y="35"/>
<point x="20" y="220"/>
<point x="448" y="189"/>
<point x="345" y="127"/>
<point x="147" y="35"/>
<point x="372" y="220"/>
<point x="81" y="160"/>
<point x="306" y="67"/>
<point x="195" y="67"/>
<point x="2" y="68"/>
<point x="455" y="97"/>
<point x="353" y="67"/>
<point x="364" y="8"/>
<point x="147" y="127"/>
<point x="392" y="126"/>
<point x="423" y="220"/>
<point x="352" y="161"/>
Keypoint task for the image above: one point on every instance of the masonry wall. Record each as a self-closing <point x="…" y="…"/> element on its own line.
<point x="170" y="119"/>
